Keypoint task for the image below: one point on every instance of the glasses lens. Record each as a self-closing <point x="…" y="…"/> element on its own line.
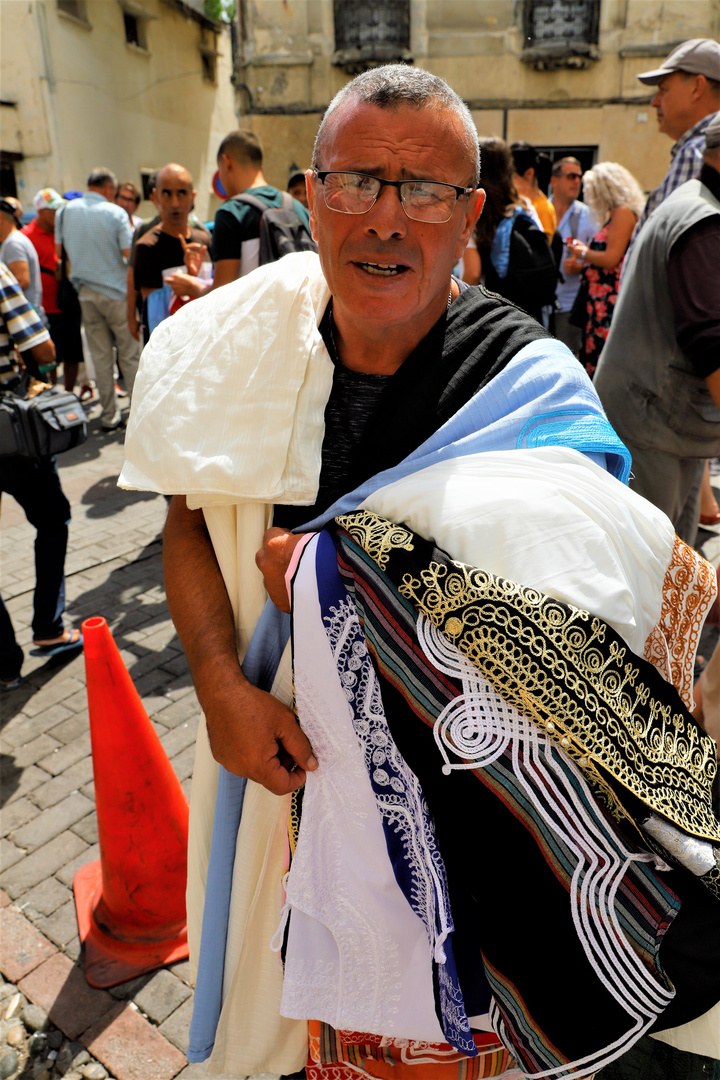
<point x="427" y="201"/>
<point x="350" y="193"/>
<point x="573" y="176"/>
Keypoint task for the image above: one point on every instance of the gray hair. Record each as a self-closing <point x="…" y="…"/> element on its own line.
<point x="101" y="177"/>
<point x="394" y="85"/>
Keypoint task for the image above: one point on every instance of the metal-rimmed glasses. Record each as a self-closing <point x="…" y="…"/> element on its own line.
<point x="422" y="200"/>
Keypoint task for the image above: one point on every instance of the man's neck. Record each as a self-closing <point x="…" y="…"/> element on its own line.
<point x="247" y="180"/>
<point x="175" y="230"/>
<point x="98" y="191"/>
<point x="561" y="207"/>
<point x="382" y="350"/>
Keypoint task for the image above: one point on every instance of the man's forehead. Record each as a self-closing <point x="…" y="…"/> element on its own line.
<point x="173" y="178"/>
<point x="360" y="128"/>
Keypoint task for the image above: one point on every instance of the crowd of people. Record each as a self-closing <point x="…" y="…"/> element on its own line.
<point x="397" y="561"/>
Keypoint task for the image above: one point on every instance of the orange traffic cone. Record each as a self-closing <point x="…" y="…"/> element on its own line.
<point x="131" y="902"/>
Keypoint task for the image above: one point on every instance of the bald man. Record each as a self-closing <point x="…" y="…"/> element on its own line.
<point x="163" y="247"/>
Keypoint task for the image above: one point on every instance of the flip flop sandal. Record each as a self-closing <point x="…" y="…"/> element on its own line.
<point x="75" y="641"/>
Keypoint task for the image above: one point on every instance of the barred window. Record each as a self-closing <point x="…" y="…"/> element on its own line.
<point x="561" y="33"/>
<point x="371" y="31"/>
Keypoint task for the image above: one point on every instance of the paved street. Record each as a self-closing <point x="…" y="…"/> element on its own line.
<point x="138" y="1031"/>
<point x="48" y="825"/>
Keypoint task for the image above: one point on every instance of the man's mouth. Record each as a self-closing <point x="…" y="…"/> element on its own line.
<point x="383" y="269"/>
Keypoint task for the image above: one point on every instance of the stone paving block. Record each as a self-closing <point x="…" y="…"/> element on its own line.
<point x="184" y="711"/>
<point x="184" y="763"/>
<point x="65" y="756"/>
<point x="23" y="728"/>
<point x="4" y="899"/>
<point x="131" y="1048"/>
<point x="73" y="949"/>
<point x="179" y="738"/>
<point x="162" y="995"/>
<point x="127" y="990"/>
<point x="186" y="785"/>
<point x="46" y="897"/>
<point x="32" y="753"/>
<point x="87" y="828"/>
<point x="183" y="970"/>
<point x="20" y="784"/>
<point x="177" y="1026"/>
<point x="177" y="666"/>
<point x="60" y="988"/>
<point x="67" y="872"/>
<point x="76" y="725"/>
<point x="23" y="947"/>
<point x="181" y="688"/>
<point x="152" y="682"/>
<point x="10" y="853"/>
<point x="150" y="661"/>
<point x="61" y="926"/>
<point x="52" y="693"/>
<point x="16" y="814"/>
<point x="47" y="825"/>
<point x="59" y="787"/>
<point x="41" y="863"/>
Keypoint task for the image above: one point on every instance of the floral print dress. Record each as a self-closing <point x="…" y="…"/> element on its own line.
<point x="601" y="290"/>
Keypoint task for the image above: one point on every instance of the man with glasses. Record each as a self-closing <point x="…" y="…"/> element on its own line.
<point x="574" y="222"/>
<point x="299" y="396"/>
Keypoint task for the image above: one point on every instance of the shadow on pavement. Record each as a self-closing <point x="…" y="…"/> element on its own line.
<point x="102" y="498"/>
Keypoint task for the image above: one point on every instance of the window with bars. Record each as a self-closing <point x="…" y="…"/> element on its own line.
<point x="369" y="32"/>
<point x="561" y="33"/>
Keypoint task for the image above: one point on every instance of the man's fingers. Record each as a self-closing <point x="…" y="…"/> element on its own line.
<point x="296" y="743"/>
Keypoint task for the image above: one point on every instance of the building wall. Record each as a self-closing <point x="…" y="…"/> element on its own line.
<point x="84" y="97"/>
<point x="286" y="76"/>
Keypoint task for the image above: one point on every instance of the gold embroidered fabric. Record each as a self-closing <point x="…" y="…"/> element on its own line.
<point x="689" y="589"/>
<point x="567" y="671"/>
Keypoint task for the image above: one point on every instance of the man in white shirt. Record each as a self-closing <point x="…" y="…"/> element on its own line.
<point x="574" y="222"/>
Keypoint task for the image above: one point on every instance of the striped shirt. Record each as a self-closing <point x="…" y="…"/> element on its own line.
<point x="95" y="233"/>
<point x="20" y="325"/>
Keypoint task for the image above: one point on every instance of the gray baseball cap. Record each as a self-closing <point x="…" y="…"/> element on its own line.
<point x="699" y="56"/>
<point x="712" y="133"/>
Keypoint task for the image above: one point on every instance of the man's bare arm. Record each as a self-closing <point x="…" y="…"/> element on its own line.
<point x="21" y="269"/>
<point x="251" y="733"/>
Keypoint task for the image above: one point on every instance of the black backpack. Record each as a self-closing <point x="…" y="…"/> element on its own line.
<point x="281" y="230"/>
<point x="532" y="272"/>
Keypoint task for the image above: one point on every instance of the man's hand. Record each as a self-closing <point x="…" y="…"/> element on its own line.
<point x="187" y="285"/>
<point x="193" y="255"/>
<point x="134" y="325"/>
<point x="253" y="734"/>
<point x="571" y="265"/>
<point x="272" y="561"/>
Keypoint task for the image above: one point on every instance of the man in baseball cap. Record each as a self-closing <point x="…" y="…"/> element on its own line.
<point x="48" y="199"/>
<point x="687" y="97"/>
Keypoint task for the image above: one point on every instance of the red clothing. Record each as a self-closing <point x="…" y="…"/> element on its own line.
<point x="44" y="244"/>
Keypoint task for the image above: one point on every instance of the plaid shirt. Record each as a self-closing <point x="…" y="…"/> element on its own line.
<point x="686" y="163"/>
<point x="20" y="325"/>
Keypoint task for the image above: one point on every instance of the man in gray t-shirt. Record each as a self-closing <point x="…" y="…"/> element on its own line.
<point x="18" y="253"/>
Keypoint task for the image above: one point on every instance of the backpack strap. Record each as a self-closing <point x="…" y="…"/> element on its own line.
<point x="250" y="200"/>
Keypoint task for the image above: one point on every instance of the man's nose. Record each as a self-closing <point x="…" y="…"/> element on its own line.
<point x="386" y="218"/>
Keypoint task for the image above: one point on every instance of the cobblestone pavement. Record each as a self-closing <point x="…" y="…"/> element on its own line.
<point x="48" y="825"/>
<point x="139" y="1030"/>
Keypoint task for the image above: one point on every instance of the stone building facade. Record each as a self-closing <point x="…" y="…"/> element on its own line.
<point x="129" y="84"/>
<point x="559" y="73"/>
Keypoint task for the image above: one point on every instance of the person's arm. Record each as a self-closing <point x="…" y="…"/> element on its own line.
<point x="225" y="271"/>
<point x="132" y="319"/>
<point x="694" y="288"/>
<point x="620" y="229"/>
<point x="38" y="356"/>
<point x="471" y="266"/>
<point x="21" y="269"/>
<point x="251" y="733"/>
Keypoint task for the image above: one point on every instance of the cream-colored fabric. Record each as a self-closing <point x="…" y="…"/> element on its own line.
<point x="701" y="1036"/>
<point x="246" y="368"/>
<point x="547" y="517"/>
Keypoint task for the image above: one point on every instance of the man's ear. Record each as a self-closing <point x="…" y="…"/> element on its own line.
<point x="475" y="204"/>
<point x="311" y="185"/>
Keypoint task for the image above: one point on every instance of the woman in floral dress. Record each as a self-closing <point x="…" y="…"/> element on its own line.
<point x="615" y="199"/>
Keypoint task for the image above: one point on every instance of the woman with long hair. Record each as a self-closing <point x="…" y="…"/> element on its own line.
<point x="514" y="254"/>
<point x="615" y="200"/>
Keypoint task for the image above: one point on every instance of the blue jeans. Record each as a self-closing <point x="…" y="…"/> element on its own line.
<point x="35" y="485"/>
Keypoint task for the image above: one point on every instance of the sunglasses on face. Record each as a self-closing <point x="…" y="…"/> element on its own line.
<point x="572" y="176"/>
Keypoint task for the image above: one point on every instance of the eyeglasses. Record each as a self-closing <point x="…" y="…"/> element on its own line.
<point x="422" y="200"/>
<point x="572" y="175"/>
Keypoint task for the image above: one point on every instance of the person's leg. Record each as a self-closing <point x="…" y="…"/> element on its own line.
<point x="670" y="483"/>
<point x="691" y="473"/>
<point x="99" y="340"/>
<point x="128" y="348"/>
<point x="35" y="485"/>
<point x="11" y="655"/>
